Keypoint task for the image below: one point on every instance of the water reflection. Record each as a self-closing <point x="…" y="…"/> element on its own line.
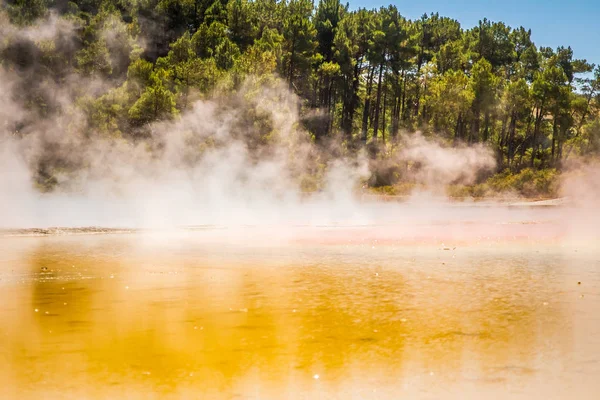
<point x="100" y="317"/>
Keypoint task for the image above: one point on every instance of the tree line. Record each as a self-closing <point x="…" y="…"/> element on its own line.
<point x="365" y="75"/>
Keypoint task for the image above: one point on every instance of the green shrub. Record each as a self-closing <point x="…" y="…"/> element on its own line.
<point x="527" y="182"/>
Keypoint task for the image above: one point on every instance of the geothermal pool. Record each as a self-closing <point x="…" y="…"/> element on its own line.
<point x="203" y="314"/>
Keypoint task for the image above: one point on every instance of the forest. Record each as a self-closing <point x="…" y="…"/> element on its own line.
<point x="364" y="78"/>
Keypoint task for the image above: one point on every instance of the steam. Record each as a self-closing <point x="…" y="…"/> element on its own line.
<point x="239" y="158"/>
<point x="440" y="166"/>
<point x="208" y="166"/>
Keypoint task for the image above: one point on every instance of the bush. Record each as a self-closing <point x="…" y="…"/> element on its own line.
<point x="399" y="189"/>
<point x="527" y="182"/>
<point x="462" y="191"/>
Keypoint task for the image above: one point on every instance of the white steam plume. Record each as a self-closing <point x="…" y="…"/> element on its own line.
<point x="211" y="165"/>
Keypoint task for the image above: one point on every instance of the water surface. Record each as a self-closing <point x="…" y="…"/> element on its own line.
<point x="142" y="316"/>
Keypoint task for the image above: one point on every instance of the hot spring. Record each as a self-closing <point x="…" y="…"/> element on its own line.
<point x="451" y="308"/>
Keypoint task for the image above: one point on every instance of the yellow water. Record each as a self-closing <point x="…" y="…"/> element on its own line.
<point x="151" y="317"/>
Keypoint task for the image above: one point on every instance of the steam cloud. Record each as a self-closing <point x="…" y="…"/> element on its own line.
<point x="208" y="166"/>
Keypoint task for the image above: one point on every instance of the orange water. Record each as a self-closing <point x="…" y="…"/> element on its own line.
<point x="183" y="317"/>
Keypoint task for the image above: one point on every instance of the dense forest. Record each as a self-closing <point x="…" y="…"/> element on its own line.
<point x="364" y="77"/>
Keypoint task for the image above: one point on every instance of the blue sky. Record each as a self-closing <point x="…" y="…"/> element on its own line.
<point x="553" y="23"/>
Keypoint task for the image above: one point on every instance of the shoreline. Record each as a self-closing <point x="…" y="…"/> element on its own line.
<point x="475" y="202"/>
<point x="100" y="230"/>
<point x="58" y="231"/>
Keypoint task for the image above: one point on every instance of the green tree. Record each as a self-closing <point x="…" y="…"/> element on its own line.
<point x="155" y="103"/>
<point x="484" y="85"/>
<point x="300" y="44"/>
<point x="241" y="21"/>
<point x="449" y="98"/>
<point x="492" y="41"/>
<point x="517" y="106"/>
<point x="24" y="12"/>
<point x="351" y="42"/>
<point x="326" y="20"/>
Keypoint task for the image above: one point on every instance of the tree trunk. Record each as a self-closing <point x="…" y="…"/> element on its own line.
<point x="350" y="101"/>
<point x="397" y="106"/>
<point x="511" y="137"/>
<point x="365" y="120"/>
<point x="503" y="134"/>
<point x="424" y="113"/>
<point x="377" y="103"/>
<point x="554" y="134"/>
<point x="330" y="101"/>
<point x="403" y="103"/>
<point x="418" y="83"/>
<point x="291" y="69"/>
<point x="486" y="129"/>
<point x="585" y="111"/>
<point x="560" y="146"/>
<point x="457" y="130"/>
<point x="474" y="134"/>
<point x="383" y="118"/>
<point x="345" y="108"/>
<point x="536" y="128"/>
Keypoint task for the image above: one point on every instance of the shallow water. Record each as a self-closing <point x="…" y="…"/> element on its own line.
<point x="180" y="316"/>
